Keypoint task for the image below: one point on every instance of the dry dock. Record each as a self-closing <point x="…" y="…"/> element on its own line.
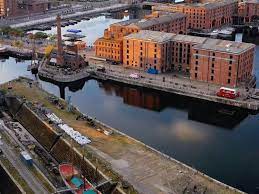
<point x="133" y="163"/>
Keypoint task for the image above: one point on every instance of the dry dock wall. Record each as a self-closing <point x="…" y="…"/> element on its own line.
<point x="13" y="104"/>
<point x="58" y="146"/>
<point x="62" y="151"/>
<point x="8" y="184"/>
<point x="71" y="155"/>
<point x="39" y="129"/>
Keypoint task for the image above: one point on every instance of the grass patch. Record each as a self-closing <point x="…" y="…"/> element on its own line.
<point x="42" y="179"/>
<point x="16" y="176"/>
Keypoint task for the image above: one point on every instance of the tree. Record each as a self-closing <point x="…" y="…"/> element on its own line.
<point x="40" y="35"/>
<point x="48" y="50"/>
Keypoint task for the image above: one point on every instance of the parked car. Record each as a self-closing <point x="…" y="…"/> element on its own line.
<point x="101" y="69"/>
<point x="134" y="76"/>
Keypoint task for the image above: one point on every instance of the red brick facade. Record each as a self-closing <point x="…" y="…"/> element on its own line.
<point x="204" y="16"/>
<point x="215" y="61"/>
<point x="222" y="67"/>
<point x="110" y="46"/>
<point x="249" y="10"/>
<point x="13" y="8"/>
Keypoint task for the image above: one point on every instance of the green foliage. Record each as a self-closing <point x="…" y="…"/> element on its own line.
<point x="18" y="32"/>
<point x="18" y="44"/>
<point x="40" y="35"/>
<point x="52" y="37"/>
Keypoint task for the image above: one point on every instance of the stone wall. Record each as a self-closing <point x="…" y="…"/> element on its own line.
<point x="71" y="155"/>
<point x="13" y="104"/>
<point x="7" y="183"/>
<point x="39" y="129"/>
<point x="58" y="146"/>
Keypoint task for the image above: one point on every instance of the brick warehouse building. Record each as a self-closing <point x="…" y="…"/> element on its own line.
<point x="210" y="60"/>
<point x="147" y="50"/>
<point x="204" y="16"/>
<point x="110" y="46"/>
<point x="13" y="8"/>
<point x="248" y="11"/>
<point x="222" y="62"/>
<point x="2" y="8"/>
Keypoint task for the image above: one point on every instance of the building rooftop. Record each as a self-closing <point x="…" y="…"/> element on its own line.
<point x="252" y="1"/>
<point x="207" y="5"/>
<point x="215" y="4"/>
<point x="126" y="22"/>
<point x="188" y="38"/>
<point x="224" y="46"/>
<point x="145" y="23"/>
<point x="200" y="42"/>
<point x="153" y="36"/>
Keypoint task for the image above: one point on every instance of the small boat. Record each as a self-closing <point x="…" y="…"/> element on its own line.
<point x="34" y="68"/>
<point x="3" y="49"/>
<point x="74" y="181"/>
<point x="34" y="63"/>
<point x="29" y="68"/>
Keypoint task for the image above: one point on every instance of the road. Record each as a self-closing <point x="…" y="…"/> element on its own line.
<point x="170" y="80"/>
<point x="73" y="14"/>
<point x="14" y="159"/>
<point x="64" y="9"/>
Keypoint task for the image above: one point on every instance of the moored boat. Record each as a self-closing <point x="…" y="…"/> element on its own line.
<point x="74" y="181"/>
<point x="3" y="49"/>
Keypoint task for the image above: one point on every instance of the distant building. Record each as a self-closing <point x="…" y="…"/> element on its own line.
<point x="2" y="8"/>
<point x="215" y="61"/>
<point x="248" y="11"/>
<point x="12" y="8"/>
<point x="33" y="6"/>
<point x="111" y="44"/>
<point x="204" y="16"/>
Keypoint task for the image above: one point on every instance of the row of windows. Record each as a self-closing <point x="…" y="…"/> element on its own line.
<point x="108" y="50"/>
<point x="141" y="65"/>
<point x="212" y="70"/>
<point x="211" y="78"/>
<point x="108" y="44"/>
<point x="115" y="57"/>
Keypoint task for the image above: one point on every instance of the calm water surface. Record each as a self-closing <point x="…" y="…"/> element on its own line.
<point x="220" y="141"/>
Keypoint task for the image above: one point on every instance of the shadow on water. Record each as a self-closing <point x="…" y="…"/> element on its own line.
<point x="216" y="114"/>
<point x="72" y="86"/>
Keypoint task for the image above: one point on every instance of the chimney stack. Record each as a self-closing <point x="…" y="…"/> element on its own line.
<point x="60" y="58"/>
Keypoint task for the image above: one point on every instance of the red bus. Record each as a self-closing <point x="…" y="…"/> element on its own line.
<point x="228" y="93"/>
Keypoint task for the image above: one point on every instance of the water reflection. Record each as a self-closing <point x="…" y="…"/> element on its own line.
<point x="72" y="86"/>
<point x="185" y="132"/>
<point x="134" y="96"/>
<point x="206" y="112"/>
<point x="204" y="135"/>
<point x="216" y="114"/>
